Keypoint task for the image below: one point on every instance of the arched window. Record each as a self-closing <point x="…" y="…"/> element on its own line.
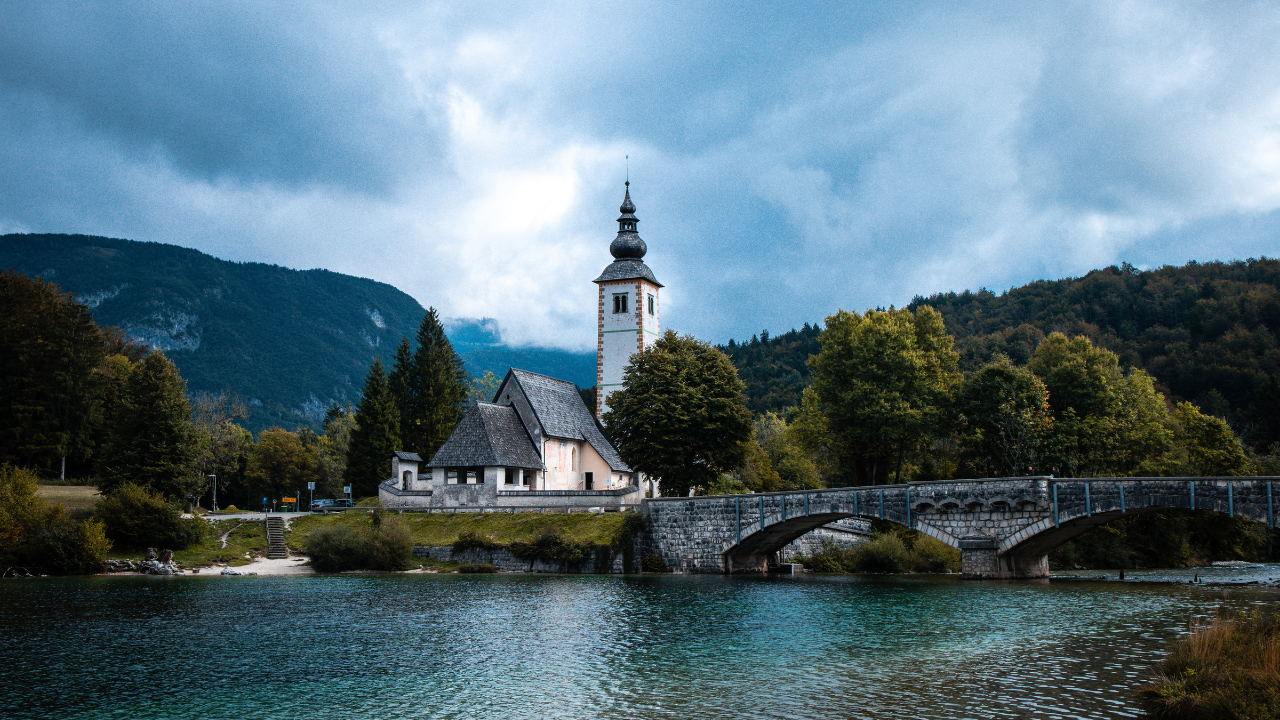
<point x="573" y="459"/>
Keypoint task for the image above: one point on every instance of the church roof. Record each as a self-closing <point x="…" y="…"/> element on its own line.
<point x="627" y="269"/>
<point x="489" y="435"/>
<point x="408" y="456"/>
<point x="562" y="414"/>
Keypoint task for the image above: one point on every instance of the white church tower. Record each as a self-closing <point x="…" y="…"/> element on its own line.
<point x="629" y="307"/>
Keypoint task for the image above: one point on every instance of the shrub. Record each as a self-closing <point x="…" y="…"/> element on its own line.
<point x="933" y="556"/>
<point x="389" y="545"/>
<point x="63" y="546"/>
<point x="137" y="518"/>
<point x="552" y="548"/>
<point x="336" y="548"/>
<point x="480" y="568"/>
<point x="881" y="554"/>
<point x="35" y="534"/>
<point x="472" y="539"/>
<point x="830" y="559"/>
<point x="652" y="563"/>
<point x="1230" y="669"/>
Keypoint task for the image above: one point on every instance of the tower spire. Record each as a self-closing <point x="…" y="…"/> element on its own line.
<point x="628" y="243"/>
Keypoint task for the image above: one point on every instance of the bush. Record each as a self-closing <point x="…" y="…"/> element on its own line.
<point x="336" y="548"/>
<point x="389" y="545"/>
<point x="66" y="547"/>
<point x="472" y="539"/>
<point x="933" y="556"/>
<point x="552" y="548"/>
<point x="1230" y="669"/>
<point x="881" y="554"/>
<point x="652" y="563"/>
<point x="136" y="518"/>
<point x="37" y="535"/>
<point x="480" y="568"/>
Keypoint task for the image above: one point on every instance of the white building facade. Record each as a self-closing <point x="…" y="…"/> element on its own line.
<point x="629" y="308"/>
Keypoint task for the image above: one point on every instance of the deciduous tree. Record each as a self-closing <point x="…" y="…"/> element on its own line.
<point x="883" y="380"/>
<point x="680" y="414"/>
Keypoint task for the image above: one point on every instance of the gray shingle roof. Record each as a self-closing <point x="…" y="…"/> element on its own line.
<point x="491" y="436"/>
<point x="408" y="456"/>
<point x="627" y="269"/>
<point x="560" y="410"/>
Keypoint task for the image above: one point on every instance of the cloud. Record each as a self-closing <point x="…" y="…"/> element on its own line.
<point x="785" y="162"/>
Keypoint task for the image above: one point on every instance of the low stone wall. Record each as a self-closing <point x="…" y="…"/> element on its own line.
<point x="606" y="561"/>
<point x="844" y="533"/>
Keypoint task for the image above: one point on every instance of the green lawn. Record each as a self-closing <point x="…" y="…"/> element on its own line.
<point x="74" y="497"/>
<point x="441" y="529"/>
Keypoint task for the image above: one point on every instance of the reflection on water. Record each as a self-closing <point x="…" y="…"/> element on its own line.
<point x="369" y="646"/>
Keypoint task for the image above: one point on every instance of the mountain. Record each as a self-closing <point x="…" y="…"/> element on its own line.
<point x="290" y="342"/>
<point x="1208" y="333"/>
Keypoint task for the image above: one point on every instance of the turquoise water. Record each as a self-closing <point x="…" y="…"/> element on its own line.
<point x="508" y="646"/>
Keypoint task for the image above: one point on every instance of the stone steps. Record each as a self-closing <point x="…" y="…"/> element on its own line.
<point x="275" y="538"/>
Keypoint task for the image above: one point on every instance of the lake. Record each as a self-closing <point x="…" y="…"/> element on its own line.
<point x="522" y="646"/>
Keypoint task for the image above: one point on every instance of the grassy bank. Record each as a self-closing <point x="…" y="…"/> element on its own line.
<point x="497" y="529"/>
<point x="1230" y="669"/>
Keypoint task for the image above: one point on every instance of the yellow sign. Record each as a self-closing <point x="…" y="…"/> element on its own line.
<point x="289" y="499"/>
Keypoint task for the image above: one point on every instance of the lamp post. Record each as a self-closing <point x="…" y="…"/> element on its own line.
<point x="215" y="492"/>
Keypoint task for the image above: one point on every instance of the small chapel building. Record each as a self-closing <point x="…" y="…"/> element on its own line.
<point x="536" y="443"/>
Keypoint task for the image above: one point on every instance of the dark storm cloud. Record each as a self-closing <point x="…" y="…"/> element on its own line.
<point x="251" y="91"/>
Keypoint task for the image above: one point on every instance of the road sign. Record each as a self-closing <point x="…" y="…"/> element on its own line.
<point x="346" y="489"/>
<point x="294" y="499"/>
<point x="311" y="486"/>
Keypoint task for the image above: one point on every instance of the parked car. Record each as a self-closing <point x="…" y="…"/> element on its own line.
<point x="328" y="506"/>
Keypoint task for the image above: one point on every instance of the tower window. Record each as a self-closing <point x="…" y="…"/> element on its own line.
<point x="651" y="303"/>
<point x="619" y="302"/>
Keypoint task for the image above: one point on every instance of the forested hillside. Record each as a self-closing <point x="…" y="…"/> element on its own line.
<point x="289" y="342"/>
<point x="1208" y="333"/>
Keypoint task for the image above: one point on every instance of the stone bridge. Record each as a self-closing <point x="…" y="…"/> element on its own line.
<point x="1003" y="527"/>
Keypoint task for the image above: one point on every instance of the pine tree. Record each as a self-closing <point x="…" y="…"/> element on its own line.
<point x="398" y="380"/>
<point x="375" y="437"/>
<point x="151" y="441"/>
<point x="437" y="390"/>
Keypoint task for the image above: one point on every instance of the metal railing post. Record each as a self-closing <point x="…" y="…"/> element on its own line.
<point x="1088" y="503"/>
<point x="1055" y="504"/>
<point x="761" y="512"/>
<point x="806" y="504"/>
<point x="1231" y="507"/>
<point x="1192" y="485"/>
<point x="1122" y="508"/>
<point x="881" y="503"/>
<point x="737" y="519"/>
<point x="909" y="506"/>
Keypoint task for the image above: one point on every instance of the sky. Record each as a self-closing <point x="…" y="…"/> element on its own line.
<point x="786" y="160"/>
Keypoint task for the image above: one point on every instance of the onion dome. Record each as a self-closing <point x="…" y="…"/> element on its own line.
<point x="628" y="245"/>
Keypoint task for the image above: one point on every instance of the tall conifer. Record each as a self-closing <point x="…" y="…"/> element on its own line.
<point x="375" y="437"/>
<point x="151" y="440"/>
<point x="437" y="390"/>
<point x="398" y="380"/>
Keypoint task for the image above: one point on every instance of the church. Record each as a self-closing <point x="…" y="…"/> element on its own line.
<point x="536" y="443"/>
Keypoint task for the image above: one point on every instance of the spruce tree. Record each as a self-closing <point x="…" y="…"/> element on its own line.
<point x="437" y="390"/>
<point x="375" y="436"/>
<point x="151" y="441"/>
<point x="398" y="380"/>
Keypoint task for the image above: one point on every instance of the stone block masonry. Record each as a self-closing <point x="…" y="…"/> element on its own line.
<point x="1003" y="527"/>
